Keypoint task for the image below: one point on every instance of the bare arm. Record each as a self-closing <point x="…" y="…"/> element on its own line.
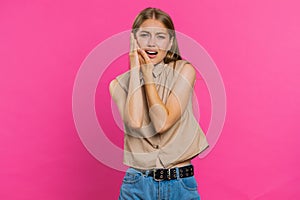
<point x="163" y="116"/>
<point x="133" y="108"/>
<point x="118" y="95"/>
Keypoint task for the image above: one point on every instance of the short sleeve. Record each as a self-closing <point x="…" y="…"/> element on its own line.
<point x="123" y="80"/>
<point x="182" y="88"/>
<point x="179" y="82"/>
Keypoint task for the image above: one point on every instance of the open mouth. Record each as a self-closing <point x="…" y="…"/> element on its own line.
<point x="151" y="52"/>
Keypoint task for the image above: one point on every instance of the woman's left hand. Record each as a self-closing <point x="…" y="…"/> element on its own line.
<point x="146" y="66"/>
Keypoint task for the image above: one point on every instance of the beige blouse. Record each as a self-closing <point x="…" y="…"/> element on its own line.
<point x="146" y="149"/>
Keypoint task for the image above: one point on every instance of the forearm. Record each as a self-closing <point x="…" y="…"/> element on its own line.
<point x="158" y="111"/>
<point x="134" y="110"/>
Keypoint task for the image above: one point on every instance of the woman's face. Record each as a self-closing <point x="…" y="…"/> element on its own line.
<point x="153" y="37"/>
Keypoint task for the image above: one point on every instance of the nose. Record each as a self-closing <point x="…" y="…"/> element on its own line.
<point x="151" y="41"/>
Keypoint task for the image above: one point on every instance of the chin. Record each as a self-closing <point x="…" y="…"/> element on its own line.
<point x="156" y="61"/>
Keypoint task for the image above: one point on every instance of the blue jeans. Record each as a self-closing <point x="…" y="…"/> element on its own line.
<point x="137" y="185"/>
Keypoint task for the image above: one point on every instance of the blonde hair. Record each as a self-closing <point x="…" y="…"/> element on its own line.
<point x="155" y="13"/>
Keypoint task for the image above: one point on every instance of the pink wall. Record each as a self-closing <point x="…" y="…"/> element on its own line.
<point x="255" y="45"/>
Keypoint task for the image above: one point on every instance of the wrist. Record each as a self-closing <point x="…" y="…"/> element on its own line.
<point x="135" y="69"/>
<point x="148" y="79"/>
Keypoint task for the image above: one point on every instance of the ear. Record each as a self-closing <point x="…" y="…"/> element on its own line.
<point x="171" y="43"/>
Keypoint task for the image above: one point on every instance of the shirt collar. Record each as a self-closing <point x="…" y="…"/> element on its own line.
<point x="158" y="68"/>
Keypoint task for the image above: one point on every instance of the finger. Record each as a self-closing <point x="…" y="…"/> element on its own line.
<point x="132" y="43"/>
<point x="144" y="55"/>
<point x="141" y="59"/>
<point x="134" y="59"/>
<point x="136" y="46"/>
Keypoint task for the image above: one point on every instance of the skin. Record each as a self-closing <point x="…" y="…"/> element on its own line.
<point x="141" y="98"/>
<point x="132" y="106"/>
<point x="153" y="35"/>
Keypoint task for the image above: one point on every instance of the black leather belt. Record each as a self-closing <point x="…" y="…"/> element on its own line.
<point x="168" y="174"/>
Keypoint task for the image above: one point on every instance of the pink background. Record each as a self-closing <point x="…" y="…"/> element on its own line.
<point x="255" y="45"/>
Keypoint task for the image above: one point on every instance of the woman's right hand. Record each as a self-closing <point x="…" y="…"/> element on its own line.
<point x="134" y="106"/>
<point x="133" y="54"/>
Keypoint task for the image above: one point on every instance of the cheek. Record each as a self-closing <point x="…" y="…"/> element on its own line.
<point x="162" y="54"/>
<point x="142" y="42"/>
<point x="163" y="45"/>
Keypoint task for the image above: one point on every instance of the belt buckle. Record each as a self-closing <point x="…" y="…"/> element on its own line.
<point x="154" y="176"/>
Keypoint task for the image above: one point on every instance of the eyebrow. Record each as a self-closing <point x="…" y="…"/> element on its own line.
<point x="155" y="33"/>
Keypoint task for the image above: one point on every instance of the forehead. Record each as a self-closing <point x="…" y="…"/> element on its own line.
<point x="153" y="25"/>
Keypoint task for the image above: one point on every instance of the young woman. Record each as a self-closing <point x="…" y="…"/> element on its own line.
<point x="154" y="99"/>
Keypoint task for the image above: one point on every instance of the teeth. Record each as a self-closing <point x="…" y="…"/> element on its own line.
<point x="151" y="52"/>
